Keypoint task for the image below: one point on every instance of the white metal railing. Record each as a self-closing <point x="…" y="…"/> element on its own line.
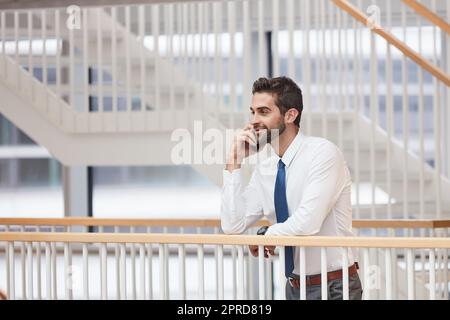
<point x="89" y="258"/>
<point x="384" y="284"/>
<point x="151" y="62"/>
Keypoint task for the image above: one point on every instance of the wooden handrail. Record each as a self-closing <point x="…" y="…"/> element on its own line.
<point x="166" y="238"/>
<point x="401" y="223"/>
<point x="75" y="221"/>
<point x="389" y="37"/>
<point x="428" y="14"/>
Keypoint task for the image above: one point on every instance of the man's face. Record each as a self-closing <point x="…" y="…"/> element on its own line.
<point x="267" y="121"/>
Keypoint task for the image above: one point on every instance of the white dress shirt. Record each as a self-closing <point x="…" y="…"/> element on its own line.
<point x="318" y="191"/>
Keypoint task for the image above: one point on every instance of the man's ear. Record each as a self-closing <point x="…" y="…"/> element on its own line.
<point x="291" y="115"/>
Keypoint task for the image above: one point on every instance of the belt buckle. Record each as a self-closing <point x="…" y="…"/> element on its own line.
<point x="291" y="279"/>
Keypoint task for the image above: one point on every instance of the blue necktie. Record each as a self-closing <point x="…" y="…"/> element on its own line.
<point x="281" y="210"/>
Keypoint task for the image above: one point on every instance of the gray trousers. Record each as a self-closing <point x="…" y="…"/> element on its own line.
<point x="335" y="289"/>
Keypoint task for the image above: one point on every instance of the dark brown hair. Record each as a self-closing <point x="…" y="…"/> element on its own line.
<point x="287" y="94"/>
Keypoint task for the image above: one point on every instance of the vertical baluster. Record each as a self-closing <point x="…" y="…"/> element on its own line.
<point x="233" y="271"/>
<point x="72" y="67"/>
<point x="16" y="44"/>
<point x="7" y="264"/>
<point x="241" y="280"/>
<point x="123" y="271"/>
<point x="290" y="12"/>
<point x="30" y="45"/>
<point x="23" y="266"/>
<point x="345" y="275"/>
<point x="445" y="269"/>
<point x="437" y="132"/>
<point x="30" y="282"/>
<point x="269" y="278"/>
<point x="114" y="59"/>
<point x="99" y="60"/>
<point x="155" y="33"/>
<point x="262" y="59"/>
<point x="133" y="266"/>
<point x="162" y="277"/>
<point x="12" y="268"/>
<point x="356" y="116"/>
<point x="128" y="59"/>
<point x="410" y="274"/>
<point x="86" y="272"/>
<point x="216" y="259"/>
<point x="275" y="38"/>
<point x="48" y="271"/>
<point x="117" y="259"/>
<point x="54" y="268"/>
<point x="432" y="270"/>
<point x="67" y="273"/>
<point x="323" y="273"/>
<point x="389" y="115"/>
<point x="182" y="267"/>
<point x="142" y="281"/>
<point x="421" y="134"/>
<point x="58" y="52"/>
<point x="247" y="59"/>
<point x="302" y="261"/>
<point x="104" y="270"/>
<point x="182" y="270"/>
<point x="306" y="63"/>
<point x="366" y="273"/>
<point x="38" y="268"/>
<point x="374" y="119"/>
<point x="220" y="272"/>
<point x="201" y="269"/>
<point x="86" y="67"/>
<point x="169" y="37"/>
<point x="405" y="111"/>
<point x="340" y="77"/>
<point x="233" y="105"/>
<point x="44" y="47"/>
<point x="282" y="275"/>
<point x="150" y="267"/>
<point x="141" y="21"/>
<point x="166" y="265"/>
<point x="261" y="273"/>
<point x="388" y="270"/>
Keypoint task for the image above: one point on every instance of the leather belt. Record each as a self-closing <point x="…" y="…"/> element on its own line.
<point x="316" y="279"/>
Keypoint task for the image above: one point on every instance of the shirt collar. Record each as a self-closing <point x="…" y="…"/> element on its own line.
<point x="292" y="149"/>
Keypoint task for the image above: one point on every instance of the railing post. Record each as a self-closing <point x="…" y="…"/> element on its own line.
<point x="432" y="268"/>
<point x="410" y="269"/>
<point x="345" y="275"/>
<point x="261" y="273"/>
<point x="323" y="273"/>
<point x="48" y="271"/>
<point x="12" y="268"/>
<point x="220" y="272"/>
<point x="240" y="271"/>
<point x="302" y="257"/>
<point x="388" y="268"/>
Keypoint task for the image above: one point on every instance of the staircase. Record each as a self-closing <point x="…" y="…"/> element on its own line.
<point x="76" y="136"/>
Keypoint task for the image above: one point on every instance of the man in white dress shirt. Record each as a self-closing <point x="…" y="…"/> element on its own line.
<point x="304" y="189"/>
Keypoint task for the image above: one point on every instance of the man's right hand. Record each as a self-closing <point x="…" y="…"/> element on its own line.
<point x="244" y="145"/>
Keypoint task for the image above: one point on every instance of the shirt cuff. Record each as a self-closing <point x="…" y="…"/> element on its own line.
<point x="270" y="231"/>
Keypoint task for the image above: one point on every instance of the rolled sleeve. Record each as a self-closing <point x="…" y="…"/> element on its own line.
<point x="240" y="207"/>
